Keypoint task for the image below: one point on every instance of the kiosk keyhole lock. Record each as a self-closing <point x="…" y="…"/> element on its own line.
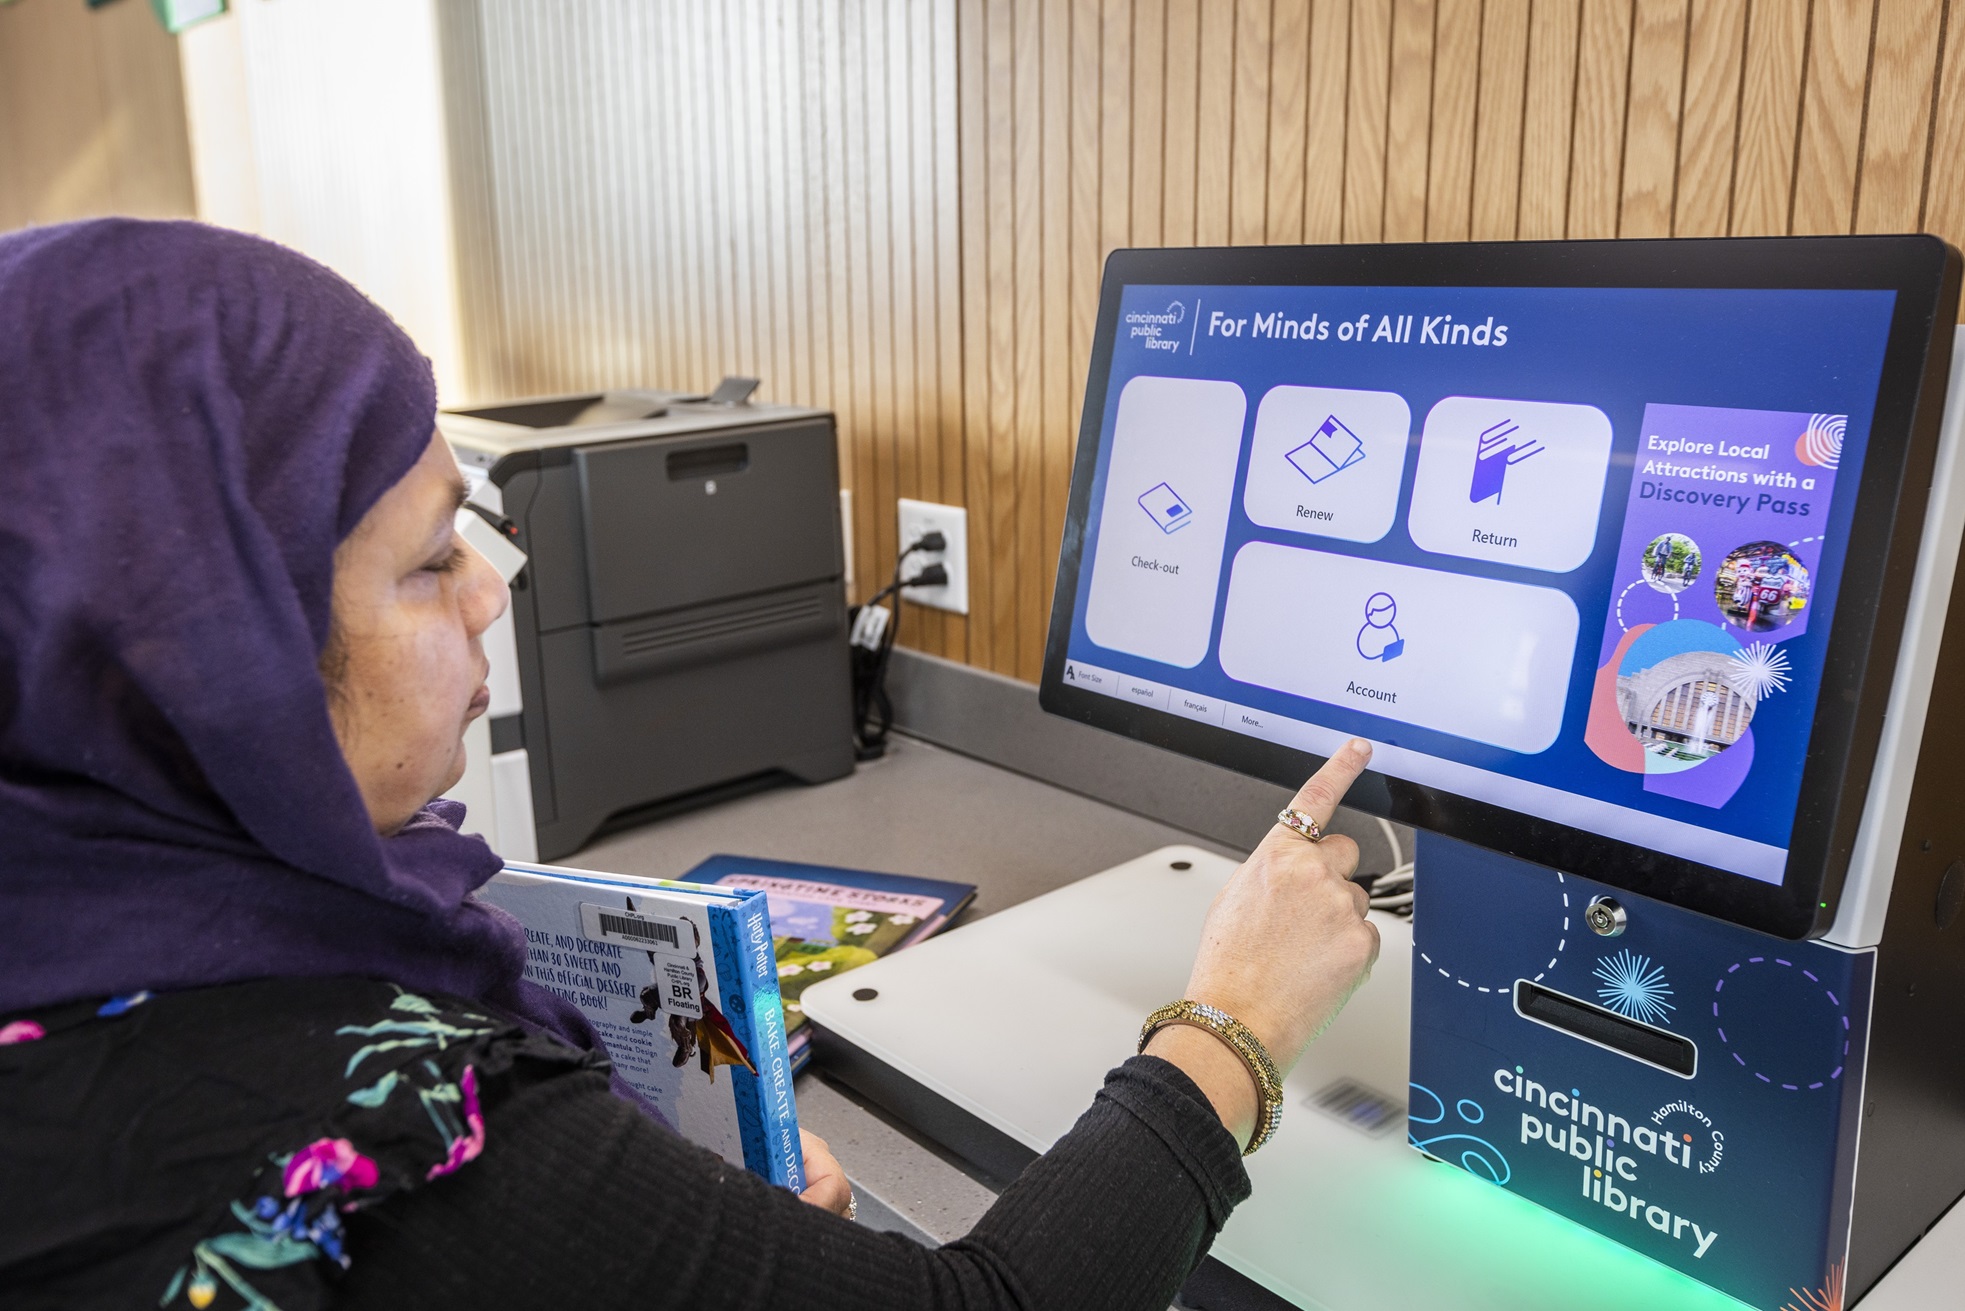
<point x="1605" y="917"/>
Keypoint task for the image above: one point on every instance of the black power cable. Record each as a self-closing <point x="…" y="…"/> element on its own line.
<point x="873" y="711"/>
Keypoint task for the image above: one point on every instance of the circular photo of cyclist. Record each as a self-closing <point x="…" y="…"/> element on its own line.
<point x="1761" y="586"/>
<point x="1671" y="562"/>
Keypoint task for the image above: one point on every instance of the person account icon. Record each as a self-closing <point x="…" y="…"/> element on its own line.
<point x="1165" y="508"/>
<point x="1379" y="639"/>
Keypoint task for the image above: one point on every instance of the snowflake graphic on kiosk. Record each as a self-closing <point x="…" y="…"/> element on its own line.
<point x="1759" y="671"/>
<point x="1634" y="988"/>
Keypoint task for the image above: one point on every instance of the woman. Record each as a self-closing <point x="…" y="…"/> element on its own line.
<point x="258" y="1044"/>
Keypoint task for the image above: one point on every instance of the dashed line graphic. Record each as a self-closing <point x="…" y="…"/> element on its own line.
<point x="1561" y="944"/>
<point x="1624" y="627"/>
<point x="1627" y="591"/>
<point x="1810" y="975"/>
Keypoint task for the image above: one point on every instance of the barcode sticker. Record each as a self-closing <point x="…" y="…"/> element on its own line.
<point x="632" y="928"/>
<point x="670" y="942"/>
<point x="1364" y="1109"/>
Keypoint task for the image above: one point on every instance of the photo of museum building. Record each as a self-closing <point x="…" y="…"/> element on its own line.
<point x="1684" y="706"/>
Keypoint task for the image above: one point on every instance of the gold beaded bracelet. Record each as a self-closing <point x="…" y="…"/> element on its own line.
<point x="1268" y="1083"/>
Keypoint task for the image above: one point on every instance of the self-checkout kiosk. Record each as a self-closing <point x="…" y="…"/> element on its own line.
<point x="1637" y="563"/>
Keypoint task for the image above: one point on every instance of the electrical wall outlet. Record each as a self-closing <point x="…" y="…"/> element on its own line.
<point x="918" y="519"/>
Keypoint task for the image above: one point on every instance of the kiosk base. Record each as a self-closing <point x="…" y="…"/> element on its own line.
<point x="993" y="1038"/>
<point x="1686" y="1087"/>
<point x="1695" y="1090"/>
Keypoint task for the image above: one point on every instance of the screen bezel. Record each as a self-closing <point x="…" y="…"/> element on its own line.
<point x="1861" y="654"/>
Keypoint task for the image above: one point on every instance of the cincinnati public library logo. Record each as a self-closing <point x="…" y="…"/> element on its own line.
<point x="1609" y="1148"/>
<point x="1148" y="326"/>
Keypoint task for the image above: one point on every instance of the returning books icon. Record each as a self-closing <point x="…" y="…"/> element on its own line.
<point x="1498" y="450"/>
<point x="1164" y="506"/>
<point x="1332" y="449"/>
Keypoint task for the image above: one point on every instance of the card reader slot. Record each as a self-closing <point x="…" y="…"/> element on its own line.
<point x="1606" y="1028"/>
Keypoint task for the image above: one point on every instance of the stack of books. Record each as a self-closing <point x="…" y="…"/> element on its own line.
<point x="693" y="984"/>
<point x="827" y="920"/>
<point x="679" y="981"/>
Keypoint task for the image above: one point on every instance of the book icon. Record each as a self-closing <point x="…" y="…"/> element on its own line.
<point x="1498" y="450"/>
<point x="1332" y="449"/>
<point x="1165" y="508"/>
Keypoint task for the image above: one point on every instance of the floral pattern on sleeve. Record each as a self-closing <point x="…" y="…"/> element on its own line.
<point x="411" y="1113"/>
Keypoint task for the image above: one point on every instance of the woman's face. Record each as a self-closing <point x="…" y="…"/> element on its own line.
<point x="405" y="666"/>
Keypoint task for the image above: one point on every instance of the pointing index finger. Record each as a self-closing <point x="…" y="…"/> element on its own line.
<point x="1320" y="795"/>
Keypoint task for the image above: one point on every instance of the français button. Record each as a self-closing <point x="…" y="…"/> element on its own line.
<point x="1207" y="709"/>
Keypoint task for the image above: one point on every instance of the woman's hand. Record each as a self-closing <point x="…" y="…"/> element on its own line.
<point x="825" y="1182"/>
<point x="1285" y="945"/>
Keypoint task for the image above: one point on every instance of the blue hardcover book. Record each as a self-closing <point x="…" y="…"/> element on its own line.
<point x="680" y="981"/>
<point x="829" y="920"/>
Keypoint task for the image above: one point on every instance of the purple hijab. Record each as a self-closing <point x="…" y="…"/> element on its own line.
<point x="190" y="421"/>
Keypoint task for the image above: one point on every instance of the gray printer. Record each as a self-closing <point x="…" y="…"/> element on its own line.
<point x="680" y="624"/>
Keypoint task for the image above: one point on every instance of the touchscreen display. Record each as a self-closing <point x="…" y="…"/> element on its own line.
<point x="1574" y="552"/>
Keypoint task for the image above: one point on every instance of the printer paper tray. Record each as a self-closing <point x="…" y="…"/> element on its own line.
<point x="719" y="630"/>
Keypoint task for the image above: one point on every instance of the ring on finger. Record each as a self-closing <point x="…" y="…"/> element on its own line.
<point x="852" y="1206"/>
<point x="1300" y="824"/>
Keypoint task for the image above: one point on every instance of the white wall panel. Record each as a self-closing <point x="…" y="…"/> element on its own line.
<point x="597" y="193"/>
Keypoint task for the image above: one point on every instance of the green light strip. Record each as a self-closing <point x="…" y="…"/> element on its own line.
<point x="1501" y="1240"/>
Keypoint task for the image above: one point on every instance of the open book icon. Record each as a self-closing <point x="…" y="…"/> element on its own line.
<point x="1332" y="449"/>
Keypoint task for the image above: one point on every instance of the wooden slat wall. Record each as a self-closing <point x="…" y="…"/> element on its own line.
<point x="899" y="208"/>
<point x="91" y="115"/>
<point x="1283" y="121"/>
<point x="666" y="193"/>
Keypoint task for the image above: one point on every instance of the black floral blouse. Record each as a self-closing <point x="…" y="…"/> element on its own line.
<point x="207" y="1145"/>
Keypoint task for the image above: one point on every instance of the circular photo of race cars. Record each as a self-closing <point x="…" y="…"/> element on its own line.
<point x="1761" y="586"/>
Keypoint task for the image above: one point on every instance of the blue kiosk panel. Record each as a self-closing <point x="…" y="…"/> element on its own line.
<point x="1716" y="1133"/>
